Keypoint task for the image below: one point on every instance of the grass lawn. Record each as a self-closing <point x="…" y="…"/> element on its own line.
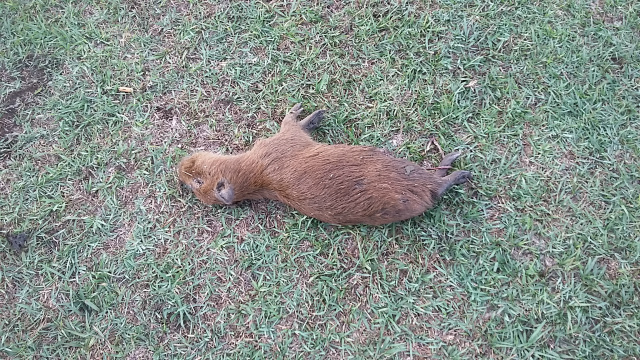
<point x="538" y="257"/>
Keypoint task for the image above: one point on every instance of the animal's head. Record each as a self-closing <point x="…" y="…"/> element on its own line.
<point x="201" y="173"/>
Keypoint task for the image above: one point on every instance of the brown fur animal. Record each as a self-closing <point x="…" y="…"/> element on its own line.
<point x="338" y="184"/>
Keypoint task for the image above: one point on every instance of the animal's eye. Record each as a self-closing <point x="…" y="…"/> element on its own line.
<point x="198" y="182"/>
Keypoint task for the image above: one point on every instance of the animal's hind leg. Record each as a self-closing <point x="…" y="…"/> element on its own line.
<point x="312" y="121"/>
<point x="291" y="119"/>
<point x="455" y="178"/>
<point x="446" y="163"/>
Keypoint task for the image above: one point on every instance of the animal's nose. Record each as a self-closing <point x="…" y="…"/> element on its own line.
<point x="184" y="188"/>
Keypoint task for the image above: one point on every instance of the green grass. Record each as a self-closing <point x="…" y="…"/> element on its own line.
<point x="538" y="258"/>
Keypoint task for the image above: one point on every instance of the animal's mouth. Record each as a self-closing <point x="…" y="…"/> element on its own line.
<point x="185" y="188"/>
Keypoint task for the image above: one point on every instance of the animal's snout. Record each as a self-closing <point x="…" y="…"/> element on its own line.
<point x="184" y="188"/>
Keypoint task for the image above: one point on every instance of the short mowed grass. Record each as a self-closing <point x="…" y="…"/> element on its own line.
<point x="538" y="257"/>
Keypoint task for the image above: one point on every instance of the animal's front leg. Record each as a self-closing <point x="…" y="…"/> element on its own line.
<point x="312" y="121"/>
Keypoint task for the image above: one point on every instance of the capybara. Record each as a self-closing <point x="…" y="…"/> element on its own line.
<point x="337" y="184"/>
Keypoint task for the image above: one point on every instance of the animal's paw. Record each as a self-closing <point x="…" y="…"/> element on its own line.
<point x="450" y="158"/>
<point x="462" y="176"/>
<point x="312" y="121"/>
<point x="295" y="110"/>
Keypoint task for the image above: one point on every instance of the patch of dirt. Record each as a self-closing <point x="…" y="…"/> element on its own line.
<point x="567" y="160"/>
<point x="536" y="245"/>
<point x="181" y="7"/>
<point x="48" y="296"/>
<point x="334" y="7"/>
<point x="599" y="11"/>
<point x="527" y="156"/>
<point x="231" y="291"/>
<point x="611" y="268"/>
<point x="397" y="140"/>
<point x="8" y="292"/>
<point x="80" y="203"/>
<point x="117" y="242"/>
<point x="285" y="45"/>
<point x="522" y="255"/>
<point x="242" y="227"/>
<point x="548" y="262"/>
<point x="214" y="7"/>
<point x="46" y="156"/>
<point x="494" y="214"/>
<point x="128" y="195"/>
<point x="195" y="124"/>
<point x="140" y="354"/>
<point x="273" y="214"/>
<point x="32" y="79"/>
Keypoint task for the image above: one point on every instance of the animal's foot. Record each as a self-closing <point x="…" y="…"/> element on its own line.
<point x="460" y="177"/>
<point x="295" y="110"/>
<point x="312" y="121"/>
<point x="446" y="162"/>
<point x="292" y="115"/>
<point x="450" y="158"/>
<point x="455" y="178"/>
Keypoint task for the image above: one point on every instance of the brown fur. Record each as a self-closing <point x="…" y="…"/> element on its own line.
<point x="338" y="184"/>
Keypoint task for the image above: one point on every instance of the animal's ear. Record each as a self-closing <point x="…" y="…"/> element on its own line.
<point x="224" y="191"/>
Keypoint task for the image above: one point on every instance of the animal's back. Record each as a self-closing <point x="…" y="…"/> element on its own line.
<point x="344" y="184"/>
